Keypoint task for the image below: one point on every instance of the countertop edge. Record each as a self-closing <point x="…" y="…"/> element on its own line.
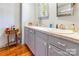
<point x="56" y="35"/>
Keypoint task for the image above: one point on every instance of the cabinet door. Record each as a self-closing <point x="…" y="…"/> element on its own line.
<point x="41" y="47"/>
<point x="32" y="40"/>
<point x="54" y="51"/>
<point x="26" y="36"/>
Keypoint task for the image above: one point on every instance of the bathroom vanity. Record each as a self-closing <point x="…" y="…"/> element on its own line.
<point x="44" y="41"/>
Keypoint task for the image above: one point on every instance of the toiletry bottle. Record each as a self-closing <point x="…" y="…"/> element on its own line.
<point x="73" y="27"/>
<point x="57" y="26"/>
<point x="50" y="25"/>
<point x="61" y="26"/>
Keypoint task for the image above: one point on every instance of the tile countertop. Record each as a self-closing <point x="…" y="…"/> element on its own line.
<point x="72" y="36"/>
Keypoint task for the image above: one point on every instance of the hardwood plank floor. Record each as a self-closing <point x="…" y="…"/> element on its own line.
<point x="19" y="50"/>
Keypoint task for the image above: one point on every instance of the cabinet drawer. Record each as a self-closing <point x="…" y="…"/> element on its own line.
<point x="41" y="35"/>
<point x="65" y="45"/>
<point x="54" y="51"/>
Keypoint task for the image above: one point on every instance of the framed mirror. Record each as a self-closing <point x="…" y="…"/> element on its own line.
<point x="65" y="9"/>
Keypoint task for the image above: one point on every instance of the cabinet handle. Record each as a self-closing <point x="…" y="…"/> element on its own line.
<point x="49" y="46"/>
<point x="61" y="44"/>
<point x="45" y="43"/>
<point x="30" y="31"/>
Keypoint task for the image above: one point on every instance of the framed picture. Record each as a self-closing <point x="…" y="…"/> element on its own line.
<point x="65" y="9"/>
<point x="43" y="9"/>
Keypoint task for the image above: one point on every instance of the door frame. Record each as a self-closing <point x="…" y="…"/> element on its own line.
<point x="20" y="22"/>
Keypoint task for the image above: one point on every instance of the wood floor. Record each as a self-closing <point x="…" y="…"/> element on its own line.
<point x="19" y="50"/>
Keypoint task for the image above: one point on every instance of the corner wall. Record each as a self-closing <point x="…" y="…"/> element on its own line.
<point x="28" y="15"/>
<point x="9" y="15"/>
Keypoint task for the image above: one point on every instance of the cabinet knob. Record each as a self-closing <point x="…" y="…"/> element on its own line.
<point x="49" y="46"/>
<point x="61" y="44"/>
<point x="45" y="43"/>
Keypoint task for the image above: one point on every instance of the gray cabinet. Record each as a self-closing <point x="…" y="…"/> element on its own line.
<point x="29" y="39"/>
<point x="41" y="44"/>
<point x="65" y="45"/>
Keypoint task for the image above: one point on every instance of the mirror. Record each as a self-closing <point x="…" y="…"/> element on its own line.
<point x="65" y="9"/>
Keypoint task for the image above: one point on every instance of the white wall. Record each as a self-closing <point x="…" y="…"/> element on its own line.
<point x="8" y="16"/>
<point x="28" y="15"/>
<point x="66" y="20"/>
<point x="17" y="15"/>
